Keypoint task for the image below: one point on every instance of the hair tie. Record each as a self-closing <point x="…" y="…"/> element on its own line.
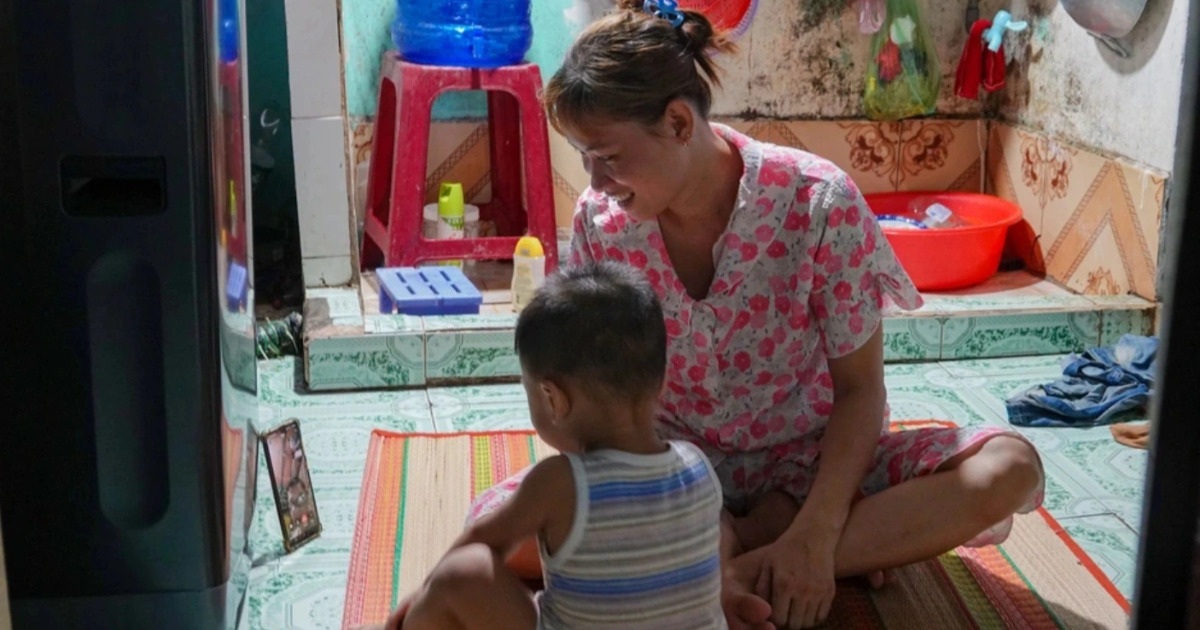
<point x="665" y="9"/>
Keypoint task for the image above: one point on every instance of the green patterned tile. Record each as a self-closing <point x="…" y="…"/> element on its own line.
<point x="366" y="362"/>
<point x="299" y="599"/>
<point x="467" y="355"/>
<point x="281" y="387"/>
<point x="1007" y="292"/>
<point x="911" y="339"/>
<point x="985" y="304"/>
<point x="1119" y="302"/>
<point x="919" y="391"/>
<point x="1065" y="497"/>
<point x="1048" y="366"/>
<point x="1115" y="474"/>
<point x="905" y="372"/>
<point x="1114" y="323"/>
<point x="1111" y="473"/>
<point x="480" y="408"/>
<point x="1017" y="335"/>
<point x="1110" y="544"/>
<point x="343" y="303"/>
<point x="484" y="321"/>
<point x="377" y="324"/>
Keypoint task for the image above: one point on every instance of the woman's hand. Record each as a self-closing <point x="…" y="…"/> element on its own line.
<point x="796" y="575"/>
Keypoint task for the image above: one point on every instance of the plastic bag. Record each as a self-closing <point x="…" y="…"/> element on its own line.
<point x="903" y="75"/>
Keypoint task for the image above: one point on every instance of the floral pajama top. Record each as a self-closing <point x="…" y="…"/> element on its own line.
<point x="803" y="275"/>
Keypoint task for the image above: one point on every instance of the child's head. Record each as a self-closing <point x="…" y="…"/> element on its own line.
<point x="594" y="335"/>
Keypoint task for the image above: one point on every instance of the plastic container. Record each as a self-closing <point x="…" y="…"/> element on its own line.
<point x="470" y="227"/>
<point x="429" y="228"/>
<point x="529" y="271"/>
<point x="951" y="258"/>
<point x="465" y="33"/>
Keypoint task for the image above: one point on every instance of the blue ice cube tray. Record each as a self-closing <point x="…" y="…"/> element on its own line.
<point x="427" y="291"/>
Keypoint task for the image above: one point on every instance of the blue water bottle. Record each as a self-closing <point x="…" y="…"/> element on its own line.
<point x="464" y="33"/>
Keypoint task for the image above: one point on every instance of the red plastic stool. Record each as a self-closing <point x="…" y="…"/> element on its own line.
<point x="396" y="183"/>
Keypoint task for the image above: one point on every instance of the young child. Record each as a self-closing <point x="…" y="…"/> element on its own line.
<point x="628" y="526"/>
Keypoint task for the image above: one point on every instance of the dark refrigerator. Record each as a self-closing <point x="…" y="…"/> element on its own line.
<point x="127" y="448"/>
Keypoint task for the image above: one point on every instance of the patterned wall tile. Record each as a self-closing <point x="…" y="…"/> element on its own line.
<point x="1108" y="243"/>
<point x="868" y="151"/>
<point x="1022" y="243"/>
<point x="458" y="152"/>
<point x="1017" y="335"/>
<point x="468" y="355"/>
<point x="911" y="339"/>
<point x="366" y="362"/>
<point x="570" y="178"/>
<point x="942" y="155"/>
<point x="1092" y="222"/>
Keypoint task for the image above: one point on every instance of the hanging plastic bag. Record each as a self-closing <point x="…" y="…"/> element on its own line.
<point x="903" y="76"/>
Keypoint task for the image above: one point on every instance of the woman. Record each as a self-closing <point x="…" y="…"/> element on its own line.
<point x="773" y="275"/>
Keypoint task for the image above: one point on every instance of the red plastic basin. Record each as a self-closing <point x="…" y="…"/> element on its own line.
<point x="950" y="258"/>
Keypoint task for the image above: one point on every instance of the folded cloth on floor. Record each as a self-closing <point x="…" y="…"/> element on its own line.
<point x="1095" y="387"/>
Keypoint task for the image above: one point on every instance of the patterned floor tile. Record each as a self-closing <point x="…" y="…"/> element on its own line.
<point x="1045" y="366"/>
<point x="1065" y="497"/>
<point x="296" y="598"/>
<point x="927" y="394"/>
<point x="1113" y="473"/>
<point x="475" y="354"/>
<point x="1089" y="458"/>
<point x="336" y="363"/>
<point x="1093" y="484"/>
<point x="911" y="338"/>
<point x="480" y="408"/>
<point x="1112" y="545"/>
<point x="1018" y="335"/>
<point x="282" y="394"/>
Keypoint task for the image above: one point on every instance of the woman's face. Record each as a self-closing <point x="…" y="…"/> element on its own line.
<point x="640" y="169"/>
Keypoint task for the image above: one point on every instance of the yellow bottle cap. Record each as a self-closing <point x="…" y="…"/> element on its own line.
<point x="529" y="247"/>
<point x="450" y="200"/>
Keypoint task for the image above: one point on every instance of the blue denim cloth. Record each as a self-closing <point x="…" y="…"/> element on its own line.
<point x="1094" y="389"/>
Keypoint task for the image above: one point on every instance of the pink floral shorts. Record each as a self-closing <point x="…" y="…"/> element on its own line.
<point x="791" y="468"/>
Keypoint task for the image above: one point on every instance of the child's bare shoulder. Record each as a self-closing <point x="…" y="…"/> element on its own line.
<point x="551" y="478"/>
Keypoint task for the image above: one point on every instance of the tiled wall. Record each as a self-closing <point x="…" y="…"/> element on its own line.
<point x="1092" y="222"/>
<point x="910" y="155"/>
<point x="319" y="141"/>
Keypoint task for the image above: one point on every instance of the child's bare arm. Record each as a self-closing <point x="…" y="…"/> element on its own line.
<point x="543" y="501"/>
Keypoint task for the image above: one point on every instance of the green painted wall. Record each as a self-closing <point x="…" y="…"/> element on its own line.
<point x="366" y="28"/>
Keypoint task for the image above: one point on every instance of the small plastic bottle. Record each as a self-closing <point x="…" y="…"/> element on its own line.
<point x="529" y="271"/>
<point x="450" y="215"/>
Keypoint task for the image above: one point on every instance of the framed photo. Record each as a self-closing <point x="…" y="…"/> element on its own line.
<point x="287" y="464"/>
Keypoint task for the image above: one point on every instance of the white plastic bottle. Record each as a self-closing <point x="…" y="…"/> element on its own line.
<point x="529" y="271"/>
